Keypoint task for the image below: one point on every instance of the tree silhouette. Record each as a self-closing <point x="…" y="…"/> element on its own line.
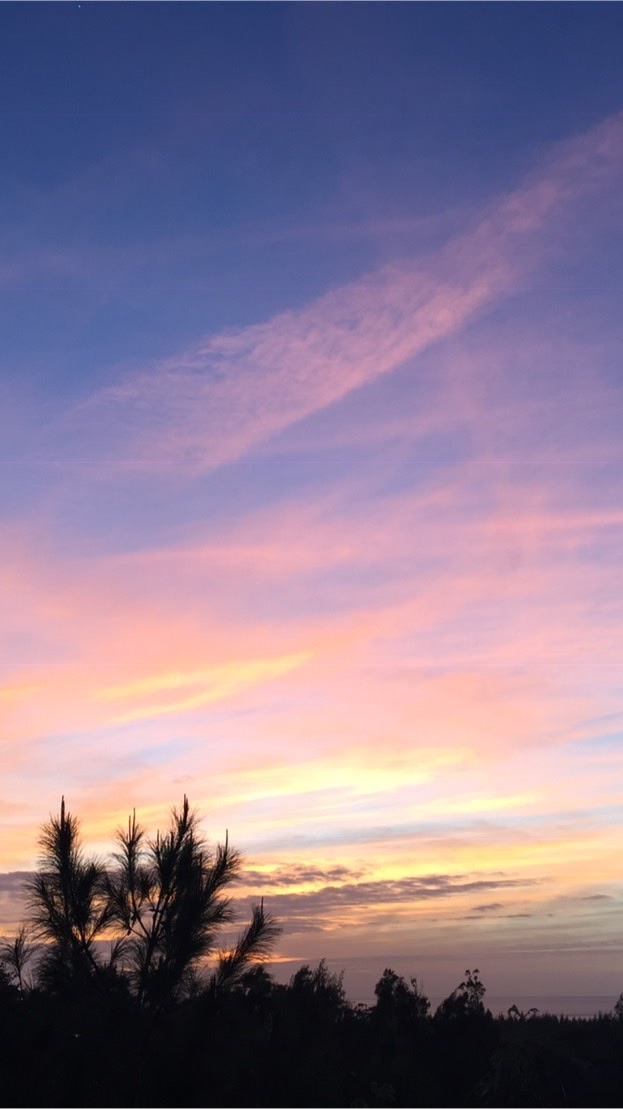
<point x="166" y="894"/>
<point x="68" y="905"/>
<point x="319" y="992"/>
<point x="397" y="1000"/>
<point x="161" y="903"/>
<point x="465" y="1000"/>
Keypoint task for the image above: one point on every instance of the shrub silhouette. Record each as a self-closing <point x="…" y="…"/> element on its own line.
<point x="15" y="955"/>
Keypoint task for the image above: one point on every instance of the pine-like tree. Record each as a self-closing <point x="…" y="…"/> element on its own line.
<point x="68" y="906"/>
<point x="167" y="896"/>
<point x="161" y="902"/>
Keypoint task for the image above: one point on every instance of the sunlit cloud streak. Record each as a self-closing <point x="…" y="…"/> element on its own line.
<point x="213" y="402"/>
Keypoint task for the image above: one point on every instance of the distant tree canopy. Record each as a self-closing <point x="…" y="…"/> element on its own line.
<point x="161" y="903"/>
<point x="466" y="1000"/>
<point x="398" y="1000"/>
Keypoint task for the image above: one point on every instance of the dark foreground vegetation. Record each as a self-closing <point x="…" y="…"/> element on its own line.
<point x="136" y="1022"/>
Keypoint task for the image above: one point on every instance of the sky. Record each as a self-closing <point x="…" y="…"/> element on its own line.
<point x="311" y="465"/>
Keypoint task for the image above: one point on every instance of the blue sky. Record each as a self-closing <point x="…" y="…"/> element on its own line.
<point x="311" y="486"/>
<point x="172" y="167"/>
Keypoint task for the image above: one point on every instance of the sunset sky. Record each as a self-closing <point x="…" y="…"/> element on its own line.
<point x="311" y="465"/>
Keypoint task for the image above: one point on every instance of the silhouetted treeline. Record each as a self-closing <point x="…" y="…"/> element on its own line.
<point x="258" y="1043"/>
<point x="144" y="1026"/>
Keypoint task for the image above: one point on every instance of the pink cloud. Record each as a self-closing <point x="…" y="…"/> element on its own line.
<point x="216" y="400"/>
<point x="477" y="586"/>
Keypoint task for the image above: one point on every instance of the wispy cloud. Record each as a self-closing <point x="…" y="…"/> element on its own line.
<point x="328" y="906"/>
<point x="216" y="400"/>
<point x="202" y="687"/>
